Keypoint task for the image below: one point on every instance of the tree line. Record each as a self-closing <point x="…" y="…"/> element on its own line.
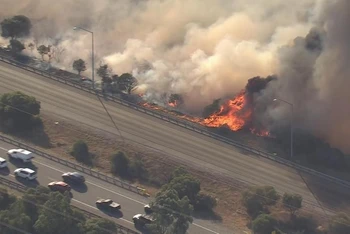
<point x="40" y="211"/>
<point x="259" y="200"/>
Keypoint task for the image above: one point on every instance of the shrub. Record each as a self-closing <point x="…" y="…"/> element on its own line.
<point x="138" y="170"/>
<point x="204" y="202"/>
<point x="120" y="164"/>
<point x="264" y="224"/>
<point x="80" y="152"/>
<point x="255" y="199"/>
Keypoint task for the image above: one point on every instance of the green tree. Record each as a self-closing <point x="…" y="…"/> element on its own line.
<point x="18" y="110"/>
<point x="204" y="202"/>
<point x="57" y="217"/>
<point x="256" y="198"/>
<point x="105" y="73"/>
<point x="16" y="46"/>
<point x="81" y="153"/>
<point x="292" y="202"/>
<point x="120" y="164"/>
<point x="15" y="217"/>
<point x="171" y="214"/>
<point x="79" y="65"/>
<point x="6" y="199"/>
<point x="42" y="50"/>
<point x="99" y="226"/>
<point x="137" y="169"/>
<point x="185" y="185"/>
<point x="126" y="82"/>
<point x="264" y="224"/>
<point x="340" y="224"/>
<point x="15" y="27"/>
<point x="34" y="198"/>
<point x="211" y="109"/>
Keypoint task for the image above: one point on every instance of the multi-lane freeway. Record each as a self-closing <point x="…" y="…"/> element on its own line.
<point x="178" y="143"/>
<point x="85" y="196"/>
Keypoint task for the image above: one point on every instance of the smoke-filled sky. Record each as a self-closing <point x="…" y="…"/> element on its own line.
<point x="208" y="49"/>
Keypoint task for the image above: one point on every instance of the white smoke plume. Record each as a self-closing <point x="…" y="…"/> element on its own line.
<point x="208" y="49"/>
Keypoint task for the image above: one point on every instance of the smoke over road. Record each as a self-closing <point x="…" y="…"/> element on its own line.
<point x="208" y="49"/>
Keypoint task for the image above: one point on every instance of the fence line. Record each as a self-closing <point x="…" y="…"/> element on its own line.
<point x="86" y="170"/>
<point x="22" y="188"/>
<point x="172" y="119"/>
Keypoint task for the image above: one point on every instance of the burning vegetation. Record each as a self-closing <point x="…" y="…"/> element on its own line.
<point x="236" y="113"/>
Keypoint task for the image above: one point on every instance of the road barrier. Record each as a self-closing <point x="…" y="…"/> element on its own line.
<point x="172" y="119"/>
<point x="22" y="188"/>
<point x="75" y="166"/>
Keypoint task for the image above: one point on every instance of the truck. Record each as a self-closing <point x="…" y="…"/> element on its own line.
<point x="21" y="154"/>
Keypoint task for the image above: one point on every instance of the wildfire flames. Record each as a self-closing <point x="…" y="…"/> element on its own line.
<point x="173" y="103"/>
<point x="231" y="114"/>
<point x="235" y="114"/>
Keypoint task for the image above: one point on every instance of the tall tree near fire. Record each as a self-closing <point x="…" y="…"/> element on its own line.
<point x="79" y="65"/>
<point x="292" y="202"/>
<point x="16" y="27"/>
<point x="42" y="50"/>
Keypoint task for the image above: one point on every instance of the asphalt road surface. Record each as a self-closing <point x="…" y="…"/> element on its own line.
<point x="85" y="196"/>
<point x="179" y="143"/>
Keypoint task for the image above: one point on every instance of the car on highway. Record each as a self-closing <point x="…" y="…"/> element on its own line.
<point x="59" y="186"/>
<point x="148" y="209"/>
<point x="107" y="204"/>
<point x="25" y="173"/>
<point x="142" y="219"/>
<point x="3" y="162"/>
<point x="21" y="154"/>
<point x="73" y="177"/>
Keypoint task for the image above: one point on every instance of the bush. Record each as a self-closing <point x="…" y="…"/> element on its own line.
<point x="120" y="164"/>
<point x="292" y="202"/>
<point x="80" y="152"/>
<point x="18" y="111"/>
<point x="204" y="202"/>
<point x="264" y="224"/>
<point x="255" y="199"/>
<point x="138" y="170"/>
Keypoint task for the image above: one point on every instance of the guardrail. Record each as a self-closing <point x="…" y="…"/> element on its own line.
<point x="183" y="123"/>
<point x="89" y="171"/>
<point x="22" y="188"/>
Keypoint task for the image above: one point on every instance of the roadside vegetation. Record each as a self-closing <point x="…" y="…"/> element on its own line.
<point x="40" y="211"/>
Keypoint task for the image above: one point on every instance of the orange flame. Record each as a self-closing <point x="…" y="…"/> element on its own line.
<point x="231" y="114"/>
<point x="173" y="104"/>
<point x="234" y="113"/>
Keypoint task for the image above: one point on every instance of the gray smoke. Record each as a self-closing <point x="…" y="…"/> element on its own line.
<point x="208" y="49"/>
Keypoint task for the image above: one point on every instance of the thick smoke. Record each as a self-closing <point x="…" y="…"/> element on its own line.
<point x="208" y="49"/>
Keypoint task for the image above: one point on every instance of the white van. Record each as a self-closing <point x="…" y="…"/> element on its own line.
<point x="3" y="162"/>
<point x="25" y="173"/>
<point x="20" y="154"/>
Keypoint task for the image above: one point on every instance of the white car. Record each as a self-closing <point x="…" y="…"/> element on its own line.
<point x="3" y="163"/>
<point x="20" y="154"/>
<point x="25" y="173"/>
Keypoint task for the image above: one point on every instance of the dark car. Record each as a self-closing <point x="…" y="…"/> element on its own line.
<point x="107" y="204"/>
<point x="59" y="186"/>
<point x="73" y="177"/>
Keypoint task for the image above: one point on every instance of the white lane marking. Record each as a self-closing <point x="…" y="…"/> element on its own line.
<point x="92" y="207"/>
<point x="207" y="229"/>
<point x="108" y="191"/>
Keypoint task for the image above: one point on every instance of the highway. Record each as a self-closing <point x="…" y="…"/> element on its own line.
<point x="85" y="196"/>
<point x="181" y="144"/>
